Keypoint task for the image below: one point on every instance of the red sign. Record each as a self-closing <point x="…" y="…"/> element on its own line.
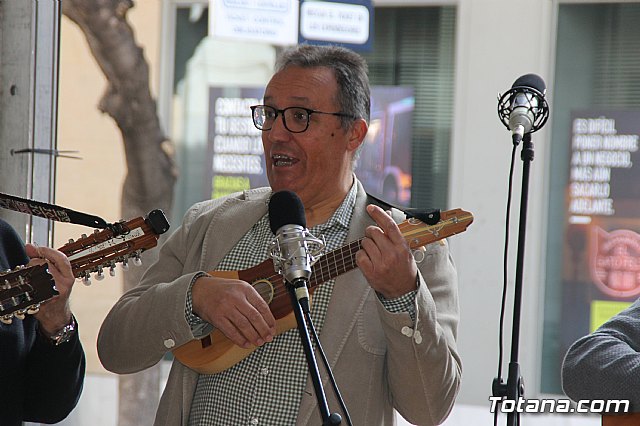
<point x="615" y="262"/>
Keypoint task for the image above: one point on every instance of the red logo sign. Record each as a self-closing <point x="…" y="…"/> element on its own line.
<point x="615" y="262"/>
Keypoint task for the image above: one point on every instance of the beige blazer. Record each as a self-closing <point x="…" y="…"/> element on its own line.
<point x="380" y="360"/>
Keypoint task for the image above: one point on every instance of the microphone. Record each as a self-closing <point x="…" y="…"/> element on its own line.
<point x="524" y="109"/>
<point x="294" y="250"/>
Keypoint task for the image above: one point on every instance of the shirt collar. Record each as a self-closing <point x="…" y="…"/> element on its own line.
<point x="342" y="216"/>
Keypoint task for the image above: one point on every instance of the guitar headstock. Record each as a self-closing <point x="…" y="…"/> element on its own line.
<point x="23" y="289"/>
<point x="120" y="243"/>
<point x="451" y="222"/>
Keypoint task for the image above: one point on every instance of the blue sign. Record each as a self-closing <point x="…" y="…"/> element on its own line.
<point x="347" y="23"/>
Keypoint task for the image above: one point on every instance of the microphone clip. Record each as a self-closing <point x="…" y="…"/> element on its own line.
<point x="294" y="251"/>
<point x="523" y="97"/>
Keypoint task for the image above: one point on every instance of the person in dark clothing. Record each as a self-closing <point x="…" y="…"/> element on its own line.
<point x="42" y="362"/>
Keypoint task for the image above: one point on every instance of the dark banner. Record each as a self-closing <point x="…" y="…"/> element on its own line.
<point x="234" y="144"/>
<point x="601" y="251"/>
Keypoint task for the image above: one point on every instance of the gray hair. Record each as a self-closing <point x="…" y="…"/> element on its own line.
<point x="349" y="68"/>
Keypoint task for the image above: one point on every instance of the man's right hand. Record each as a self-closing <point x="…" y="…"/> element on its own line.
<point x="235" y="308"/>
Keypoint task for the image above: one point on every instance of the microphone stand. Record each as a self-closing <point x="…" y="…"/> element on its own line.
<point x="513" y="390"/>
<point x="301" y="306"/>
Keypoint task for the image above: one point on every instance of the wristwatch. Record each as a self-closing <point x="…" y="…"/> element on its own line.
<point x="65" y="333"/>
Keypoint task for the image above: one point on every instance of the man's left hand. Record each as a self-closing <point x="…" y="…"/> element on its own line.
<point x="385" y="258"/>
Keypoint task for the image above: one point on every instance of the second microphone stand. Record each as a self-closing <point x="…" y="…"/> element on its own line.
<point x="513" y="390"/>
<point x="300" y="305"/>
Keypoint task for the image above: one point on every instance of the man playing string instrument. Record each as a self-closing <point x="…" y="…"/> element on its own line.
<point x="42" y="362"/>
<point x="388" y="327"/>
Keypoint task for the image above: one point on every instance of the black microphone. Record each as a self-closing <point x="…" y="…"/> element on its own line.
<point x="524" y="109"/>
<point x="294" y="249"/>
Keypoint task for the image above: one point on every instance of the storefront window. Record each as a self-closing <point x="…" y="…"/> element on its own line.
<point x="594" y="199"/>
<point x="415" y="47"/>
<point x="413" y="51"/>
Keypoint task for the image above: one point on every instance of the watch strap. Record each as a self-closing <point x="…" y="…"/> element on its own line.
<point x="65" y="333"/>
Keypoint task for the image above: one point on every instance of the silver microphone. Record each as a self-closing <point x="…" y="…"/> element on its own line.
<point x="522" y="112"/>
<point x="294" y="250"/>
<point x="524" y="109"/>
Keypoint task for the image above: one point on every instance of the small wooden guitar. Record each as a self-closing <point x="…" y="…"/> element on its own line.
<point x="216" y="352"/>
<point x="23" y="289"/>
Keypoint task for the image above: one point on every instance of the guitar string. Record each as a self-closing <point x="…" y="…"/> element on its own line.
<point x="331" y="268"/>
<point x="326" y="267"/>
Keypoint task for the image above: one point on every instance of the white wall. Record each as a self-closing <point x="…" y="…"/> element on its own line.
<point x="498" y="41"/>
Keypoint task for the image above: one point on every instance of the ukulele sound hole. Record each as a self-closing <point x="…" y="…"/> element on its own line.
<point x="265" y="289"/>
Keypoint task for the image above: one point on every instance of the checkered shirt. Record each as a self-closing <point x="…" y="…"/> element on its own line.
<point x="266" y="387"/>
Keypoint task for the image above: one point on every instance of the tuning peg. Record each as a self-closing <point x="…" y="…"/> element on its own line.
<point x="19" y="314"/>
<point x="33" y="309"/>
<point x="83" y="236"/>
<point x="86" y="279"/>
<point x="71" y="241"/>
<point x="125" y="264"/>
<point x="112" y="269"/>
<point x="136" y="259"/>
<point x="6" y="319"/>
<point x="100" y="275"/>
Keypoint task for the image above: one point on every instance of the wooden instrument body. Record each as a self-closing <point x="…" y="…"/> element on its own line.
<point x="216" y="352"/>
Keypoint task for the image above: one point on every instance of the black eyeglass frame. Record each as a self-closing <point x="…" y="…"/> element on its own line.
<point x="281" y="112"/>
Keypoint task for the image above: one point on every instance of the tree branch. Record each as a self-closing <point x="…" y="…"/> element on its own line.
<point x="127" y="99"/>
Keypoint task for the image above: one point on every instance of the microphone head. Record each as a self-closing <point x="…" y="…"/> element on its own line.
<point x="531" y="80"/>
<point x="523" y="108"/>
<point x="285" y="208"/>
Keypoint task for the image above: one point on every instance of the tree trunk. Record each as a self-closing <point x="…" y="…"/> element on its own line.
<point x="151" y="172"/>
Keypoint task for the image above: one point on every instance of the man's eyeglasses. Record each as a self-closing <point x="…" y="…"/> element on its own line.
<point x="295" y="119"/>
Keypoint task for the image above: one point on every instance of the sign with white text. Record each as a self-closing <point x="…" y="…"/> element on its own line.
<point x="266" y="21"/>
<point x="234" y="144"/>
<point x="345" y="22"/>
<point x="601" y="243"/>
